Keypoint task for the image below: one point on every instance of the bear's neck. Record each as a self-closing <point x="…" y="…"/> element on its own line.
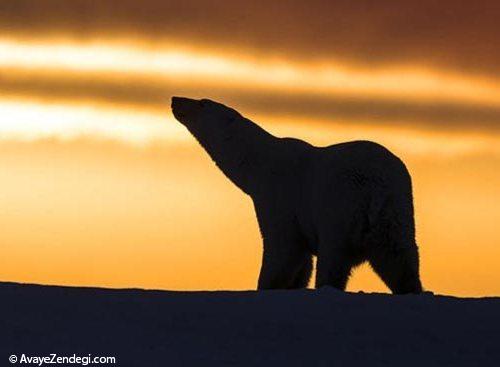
<point x="242" y="150"/>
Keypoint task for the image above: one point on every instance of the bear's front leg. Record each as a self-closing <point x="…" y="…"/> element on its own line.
<point x="284" y="265"/>
<point x="286" y="259"/>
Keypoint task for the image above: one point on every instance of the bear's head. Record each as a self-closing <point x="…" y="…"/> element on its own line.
<point x="202" y="115"/>
<point x="212" y="124"/>
<point x="231" y="140"/>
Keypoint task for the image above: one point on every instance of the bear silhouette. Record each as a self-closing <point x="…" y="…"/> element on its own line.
<point x="346" y="203"/>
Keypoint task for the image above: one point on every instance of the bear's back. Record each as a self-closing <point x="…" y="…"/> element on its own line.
<point x="362" y="156"/>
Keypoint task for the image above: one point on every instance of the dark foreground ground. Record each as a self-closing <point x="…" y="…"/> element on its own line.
<point x="273" y="328"/>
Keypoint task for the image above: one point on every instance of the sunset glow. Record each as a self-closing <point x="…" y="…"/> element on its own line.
<point x="30" y="121"/>
<point x="173" y="62"/>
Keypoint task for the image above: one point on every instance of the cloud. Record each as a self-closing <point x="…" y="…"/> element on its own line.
<point x="344" y="34"/>
<point x="148" y="94"/>
<point x="445" y="34"/>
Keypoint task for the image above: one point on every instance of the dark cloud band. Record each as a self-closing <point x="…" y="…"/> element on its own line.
<point x="147" y="93"/>
<point x="445" y="34"/>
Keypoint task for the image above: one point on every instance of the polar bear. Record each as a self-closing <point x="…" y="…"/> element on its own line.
<point x="346" y="203"/>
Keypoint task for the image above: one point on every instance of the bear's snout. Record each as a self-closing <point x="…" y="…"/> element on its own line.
<point x="185" y="109"/>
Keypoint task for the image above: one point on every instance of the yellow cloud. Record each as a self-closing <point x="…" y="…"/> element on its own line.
<point x="30" y="120"/>
<point x="176" y="62"/>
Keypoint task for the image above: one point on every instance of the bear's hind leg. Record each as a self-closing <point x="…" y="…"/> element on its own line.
<point x="398" y="269"/>
<point x="304" y="273"/>
<point x="334" y="267"/>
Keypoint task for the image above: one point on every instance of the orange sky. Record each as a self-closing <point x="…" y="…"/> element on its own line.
<point x="101" y="186"/>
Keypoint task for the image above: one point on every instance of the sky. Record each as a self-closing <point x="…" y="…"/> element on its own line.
<point x="102" y="187"/>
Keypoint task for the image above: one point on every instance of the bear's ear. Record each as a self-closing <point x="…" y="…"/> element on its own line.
<point x="186" y="110"/>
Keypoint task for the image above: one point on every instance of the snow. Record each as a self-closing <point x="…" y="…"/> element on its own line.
<point x="322" y="327"/>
